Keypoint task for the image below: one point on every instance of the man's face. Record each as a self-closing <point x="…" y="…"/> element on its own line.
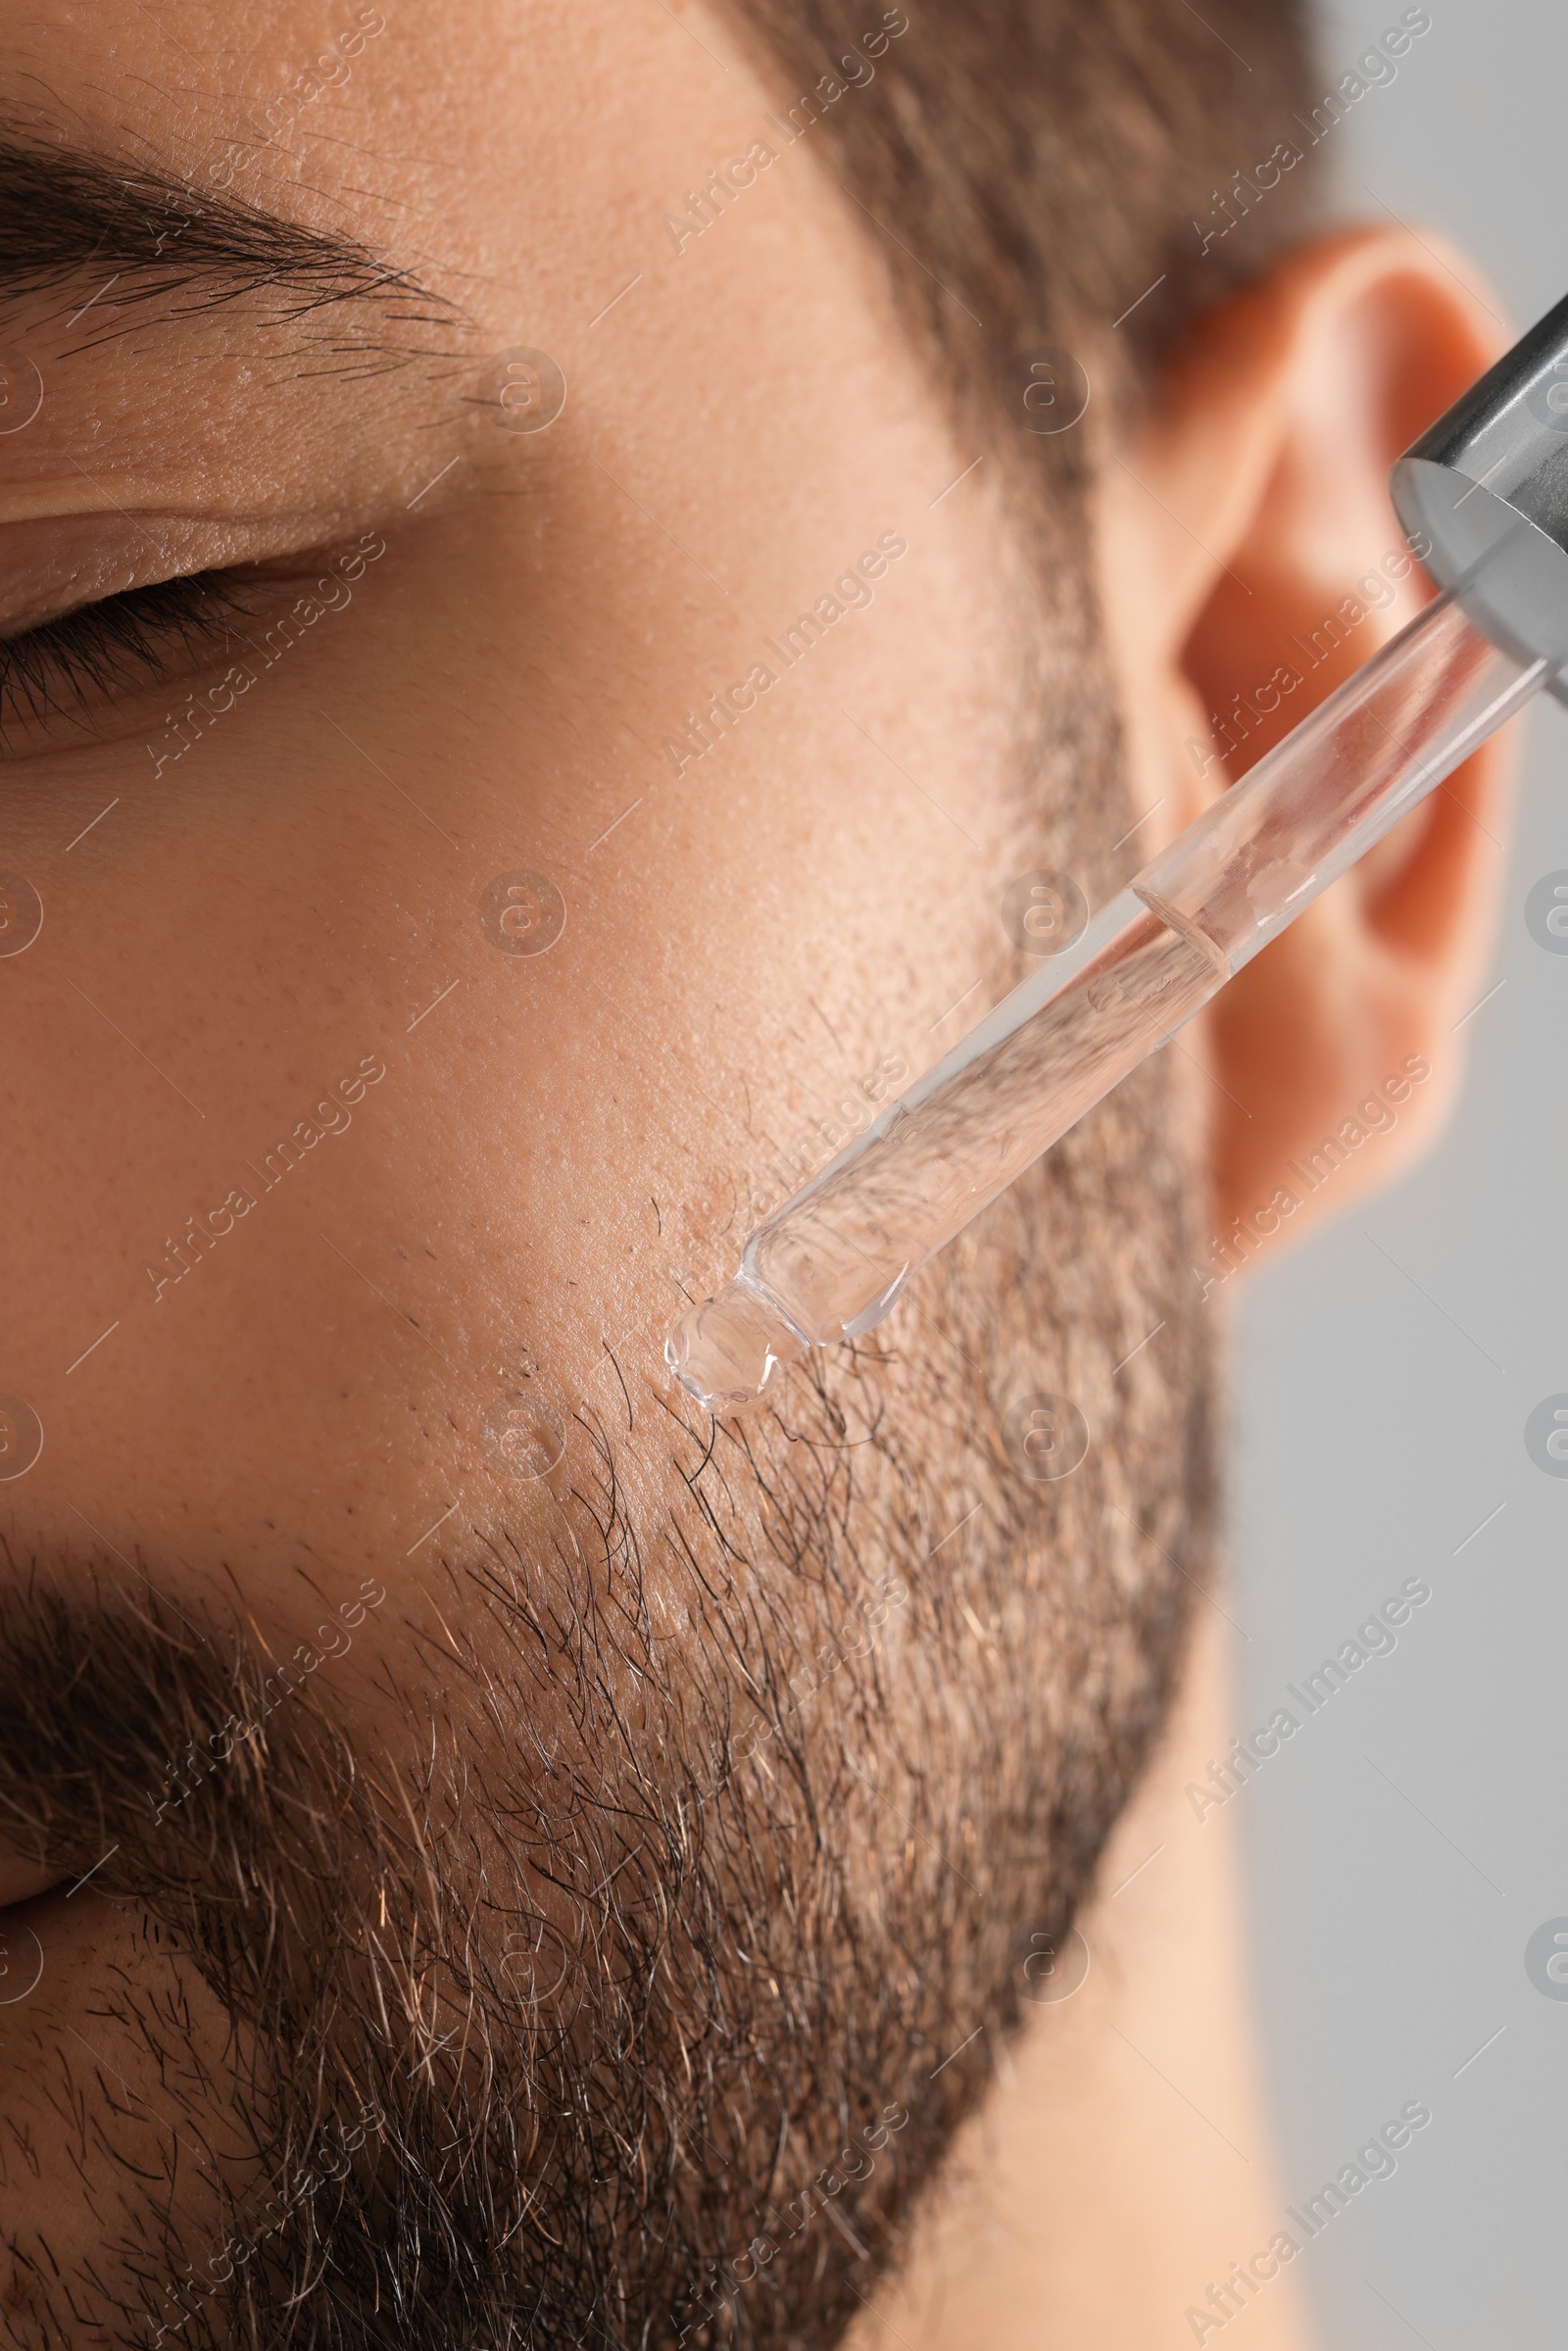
<point x="432" y="989"/>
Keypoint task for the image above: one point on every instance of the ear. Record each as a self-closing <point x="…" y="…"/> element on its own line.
<point x="1251" y="561"/>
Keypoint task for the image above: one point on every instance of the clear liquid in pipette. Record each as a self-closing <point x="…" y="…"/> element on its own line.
<point x="832" y="1260"/>
<point x="830" y="1264"/>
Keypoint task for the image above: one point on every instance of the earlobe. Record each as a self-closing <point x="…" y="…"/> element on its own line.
<point x="1270" y="448"/>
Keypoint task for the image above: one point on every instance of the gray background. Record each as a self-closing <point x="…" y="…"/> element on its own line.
<point x="1381" y="1410"/>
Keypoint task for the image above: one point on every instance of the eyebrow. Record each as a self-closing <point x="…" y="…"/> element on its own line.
<point x="168" y="251"/>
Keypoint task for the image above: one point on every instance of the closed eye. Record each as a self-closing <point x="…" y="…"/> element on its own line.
<point x="70" y="668"/>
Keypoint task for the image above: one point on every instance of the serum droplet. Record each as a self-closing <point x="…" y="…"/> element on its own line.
<point x="728" y="1352"/>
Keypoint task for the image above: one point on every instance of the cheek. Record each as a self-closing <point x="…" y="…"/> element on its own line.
<point x="592" y="981"/>
<point x="68" y="2194"/>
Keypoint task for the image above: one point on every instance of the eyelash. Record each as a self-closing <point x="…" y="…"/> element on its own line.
<point x="66" y="667"/>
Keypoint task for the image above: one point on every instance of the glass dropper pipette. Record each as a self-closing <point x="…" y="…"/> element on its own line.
<point x="830" y="1263"/>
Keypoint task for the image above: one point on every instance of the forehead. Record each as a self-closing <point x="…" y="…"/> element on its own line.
<point x="506" y="146"/>
<point x="621" y="191"/>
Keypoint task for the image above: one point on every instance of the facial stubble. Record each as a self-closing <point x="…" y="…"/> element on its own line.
<point x="715" y="1837"/>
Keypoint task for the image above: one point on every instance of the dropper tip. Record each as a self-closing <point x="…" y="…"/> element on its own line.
<point x="729" y="1351"/>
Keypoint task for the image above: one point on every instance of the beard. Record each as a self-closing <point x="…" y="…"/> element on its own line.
<point x="633" y="1990"/>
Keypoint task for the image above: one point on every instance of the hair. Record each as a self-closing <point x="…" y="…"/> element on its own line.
<point x="724" y="1822"/>
<point x="1049" y="165"/>
<point x="1044" y="176"/>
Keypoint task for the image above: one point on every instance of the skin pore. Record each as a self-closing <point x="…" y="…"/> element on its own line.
<point x="529" y="1941"/>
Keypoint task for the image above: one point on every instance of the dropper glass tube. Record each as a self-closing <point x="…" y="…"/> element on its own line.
<point x="829" y="1264"/>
